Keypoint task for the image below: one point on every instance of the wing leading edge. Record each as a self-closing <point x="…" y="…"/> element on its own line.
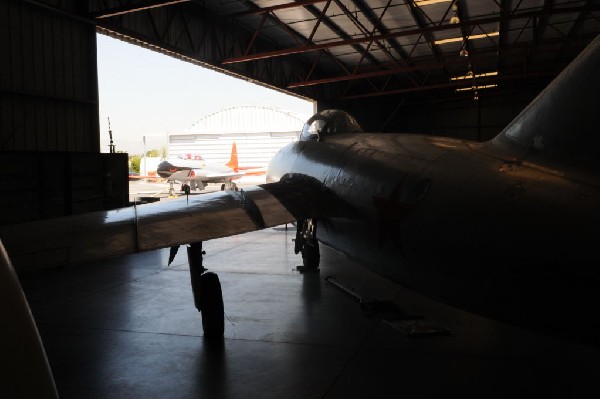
<point x="98" y="235"/>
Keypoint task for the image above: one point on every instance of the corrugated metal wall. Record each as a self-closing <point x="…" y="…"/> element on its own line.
<point x="254" y="149"/>
<point x="41" y="185"/>
<point x="48" y="78"/>
<point x="49" y="128"/>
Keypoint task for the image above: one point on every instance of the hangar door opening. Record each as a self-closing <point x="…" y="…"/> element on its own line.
<point x="154" y="100"/>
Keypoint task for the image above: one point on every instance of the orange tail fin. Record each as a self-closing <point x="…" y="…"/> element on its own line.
<point x="233" y="161"/>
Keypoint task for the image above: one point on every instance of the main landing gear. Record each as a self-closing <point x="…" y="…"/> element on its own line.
<point x="208" y="296"/>
<point x="184" y="187"/>
<point x="171" y="189"/>
<point x="306" y="242"/>
<point x="206" y="287"/>
<point x="229" y="186"/>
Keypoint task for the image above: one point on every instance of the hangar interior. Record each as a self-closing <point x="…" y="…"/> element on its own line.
<point x="451" y="68"/>
<point x="456" y="68"/>
<point x="459" y="68"/>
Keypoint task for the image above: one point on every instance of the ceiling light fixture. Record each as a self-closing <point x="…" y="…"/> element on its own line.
<point x="482" y="87"/>
<point x="470" y="75"/>
<point x="422" y="3"/>
<point x="454" y="19"/>
<point x="471" y="37"/>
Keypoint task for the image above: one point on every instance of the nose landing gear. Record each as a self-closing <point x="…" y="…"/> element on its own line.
<point x="306" y="242"/>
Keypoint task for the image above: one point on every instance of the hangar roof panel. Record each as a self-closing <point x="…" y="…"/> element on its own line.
<point x="317" y="48"/>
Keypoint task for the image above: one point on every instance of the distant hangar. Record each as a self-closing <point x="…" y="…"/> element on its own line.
<point x="258" y="131"/>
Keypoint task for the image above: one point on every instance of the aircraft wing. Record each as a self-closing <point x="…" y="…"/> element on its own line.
<point x="180" y="175"/>
<point x="204" y="175"/>
<point x="211" y="176"/>
<point x="97" y="235"/>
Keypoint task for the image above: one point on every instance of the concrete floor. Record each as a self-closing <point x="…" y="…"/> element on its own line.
<point x="127" y="328"/>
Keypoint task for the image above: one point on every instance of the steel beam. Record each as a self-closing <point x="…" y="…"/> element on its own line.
<point x="141" y="6"/>
<point x="418" y="16"/>
<point x="455" y="60"/>
<point x="364" y="31"/>
<point x="378" y="24"/>
<point x="278" y="7"/>
<point x="365" y="75"/>
<point x="453" y="84"/>
<point x="340" y="32"/>
<point x="504" y="9"/>
<point x="576" y="26"/>
<point x="429" y="29"/>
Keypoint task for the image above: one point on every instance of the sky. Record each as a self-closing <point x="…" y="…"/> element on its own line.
<point x="148" y="93"/>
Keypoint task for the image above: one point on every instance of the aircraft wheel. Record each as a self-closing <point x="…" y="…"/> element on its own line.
<point x="211" y="306"/>
<point x="223" y="187"/>
<point x="311" y="256"/>
<point x="186" y="189"/>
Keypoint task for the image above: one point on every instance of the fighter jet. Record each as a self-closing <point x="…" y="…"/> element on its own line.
<point x="508" y="228"/>
<point x="194" y="173"/>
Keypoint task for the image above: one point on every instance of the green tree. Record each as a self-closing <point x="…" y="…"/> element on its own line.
<point x="134" y="162"/>
<point x="153" y="153"/>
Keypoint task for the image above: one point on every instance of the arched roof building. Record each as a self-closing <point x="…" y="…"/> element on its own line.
<point x="258" y="131"/>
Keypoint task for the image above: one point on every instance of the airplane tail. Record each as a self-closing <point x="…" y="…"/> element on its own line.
<point x="564" y="118"/>
<point x="233" y="161"/>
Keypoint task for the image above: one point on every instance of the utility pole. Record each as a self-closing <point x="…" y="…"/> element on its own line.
<point x="145" y="166"/>
<point x="111" y="146"/>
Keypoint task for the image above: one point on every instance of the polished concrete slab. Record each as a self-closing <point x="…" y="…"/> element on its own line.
<point x="127" y="328"/>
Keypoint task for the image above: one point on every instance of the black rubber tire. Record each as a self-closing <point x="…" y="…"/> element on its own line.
<point x="186" y="189"/>
<point x="311" y="256"/>
<point x="223" y="187"/>
<point x="211" y="306"/>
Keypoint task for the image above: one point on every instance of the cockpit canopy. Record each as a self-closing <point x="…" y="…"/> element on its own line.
<point x="328" y="122"/>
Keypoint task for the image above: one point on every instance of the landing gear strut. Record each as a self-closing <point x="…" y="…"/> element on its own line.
<point x="171" y="189"/>
<point x="229" y="186"/>
<point x="208" y="296"/>
<point x="306" y="242"/>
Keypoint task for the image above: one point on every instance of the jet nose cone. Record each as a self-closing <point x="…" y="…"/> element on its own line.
<point x="164" y="165"/>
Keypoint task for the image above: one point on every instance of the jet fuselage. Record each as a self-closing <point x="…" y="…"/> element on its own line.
<point x="196" y="172"/>
<point x="460" y="221"/>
